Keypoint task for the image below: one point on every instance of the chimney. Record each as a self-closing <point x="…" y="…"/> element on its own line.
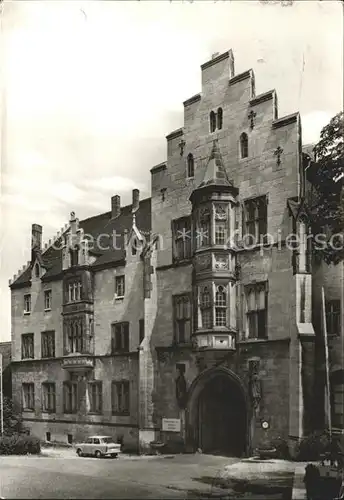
<point x="36" y="236"/>
<point x="136" y="200"/>
<point x="74" y="223"/>
<point x="115" y="206"/>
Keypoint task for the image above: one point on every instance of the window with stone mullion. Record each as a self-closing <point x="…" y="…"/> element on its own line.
<point x="206" y="306"/>
<point x="256" y="311"/>
<point x="182" y="314"/>
<point x="220" y="306"/>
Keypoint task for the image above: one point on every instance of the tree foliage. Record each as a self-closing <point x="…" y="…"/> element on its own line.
<point x="13" y="423"/>
<point x="326" y="174"/>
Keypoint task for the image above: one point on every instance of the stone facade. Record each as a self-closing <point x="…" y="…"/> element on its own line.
<point x="222" y="329"/>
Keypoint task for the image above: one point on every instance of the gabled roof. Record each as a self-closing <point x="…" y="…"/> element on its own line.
<point x="108" y="236"/>
<point x="215" y="172"/>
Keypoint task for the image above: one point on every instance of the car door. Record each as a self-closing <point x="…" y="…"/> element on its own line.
<point x="88" y="445"/>
<point x="96" y="445"/>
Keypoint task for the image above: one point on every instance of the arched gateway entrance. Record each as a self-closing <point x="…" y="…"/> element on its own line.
<point x="216" y="416"/>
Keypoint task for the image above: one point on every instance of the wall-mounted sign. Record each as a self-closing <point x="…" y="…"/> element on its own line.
<point x="171" y="424"/>
<point x="265" y="424"/>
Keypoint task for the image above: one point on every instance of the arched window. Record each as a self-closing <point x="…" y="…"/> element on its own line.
<point x="134" y="247"/>
<point x="219" y="118"/>
<point x="221" y="306"/>
<point x="212" y="118"/>
<point x="244" y="145"/>
<point x="191" y="165"/>
<point x="37" y="270"/>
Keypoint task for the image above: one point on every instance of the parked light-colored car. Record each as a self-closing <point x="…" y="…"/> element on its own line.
<point x="98" y="446"/>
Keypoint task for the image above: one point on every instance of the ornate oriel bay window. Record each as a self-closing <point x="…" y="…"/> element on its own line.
<point x="213" y="224"/>
<point x="214" y="206"/>
<point x="78" y="336"/>
<point x="213" y="305"/>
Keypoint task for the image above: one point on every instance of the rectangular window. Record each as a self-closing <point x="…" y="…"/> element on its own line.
<point x="255" y="220"/>
<point x="220" y="233"/>
<point x="74" y="291"/>
<point x="119" y="287"/>
<point x="70" y="397"/>
<point x="121" y="397"/>
<point x="47" y="300"/>
<point x="49" y="397"/>
<point x="338" y="406"/>
<point x="27" y="346"/>
<point x="48" y="344"/>
<point x="27" y="303"/>
<point x="221" y="306"/>
<point x="206" y="307"/>
<point x="95" y="391"/>
<point x="333" y="317"/>
<point x="120" y="337"/>
<point x="28" y="396"/>
<point x="182" y="318"/>
<point x="75" y="340"/>
<point x="181" y="229"/>
<point x="141" y="330"/>
<point x="256" y="311"/>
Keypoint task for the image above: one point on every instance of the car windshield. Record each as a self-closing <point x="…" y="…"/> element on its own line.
<point x="107" y="440"/>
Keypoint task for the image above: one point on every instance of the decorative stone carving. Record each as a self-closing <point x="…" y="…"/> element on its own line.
<point x="204" y="215"/>
<point x="255" y="384"/>
<point x="221" y="262"/>
<point x="278" y="152"/>
<point x="220" y="212"/>
<point x="203" y="262"/>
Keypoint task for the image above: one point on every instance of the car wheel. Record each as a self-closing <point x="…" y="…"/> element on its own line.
<point x="114" y="455"/>
<point x="98" y="454"/>
<point x="79" y="452"/>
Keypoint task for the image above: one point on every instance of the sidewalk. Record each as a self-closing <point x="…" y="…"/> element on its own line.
<point x="299" y="490"/>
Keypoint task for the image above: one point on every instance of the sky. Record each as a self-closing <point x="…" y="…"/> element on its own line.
<point x="90" y="90"/>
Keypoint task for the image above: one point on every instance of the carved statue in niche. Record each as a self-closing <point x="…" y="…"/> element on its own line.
<point x="181" y="387"/>
<point x="255" y="384"/>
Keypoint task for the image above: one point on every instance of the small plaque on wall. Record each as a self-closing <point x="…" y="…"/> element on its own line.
<point x="171" y="424"/>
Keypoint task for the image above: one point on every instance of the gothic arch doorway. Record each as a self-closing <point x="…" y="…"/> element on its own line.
<point x="217" y="414"/>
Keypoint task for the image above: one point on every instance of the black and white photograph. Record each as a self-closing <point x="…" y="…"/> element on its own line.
<point x="172" y="249"/>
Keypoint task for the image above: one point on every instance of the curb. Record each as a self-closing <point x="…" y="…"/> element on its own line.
<point x="299" y="490"/>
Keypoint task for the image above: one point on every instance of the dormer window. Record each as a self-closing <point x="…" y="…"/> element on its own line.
<point x="191" y="166"/>
<point x="219" y="118"/>
<point x="37" y="270"/>
<point x="243" y="145"/>
<point x="212" y="118"/>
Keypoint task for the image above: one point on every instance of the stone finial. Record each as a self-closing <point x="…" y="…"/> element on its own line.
<point x="72" y="216"/>
<point x="14" y="277"/>
<point x="10" y="282"/>
<point x="45" y="246"/>
<point x="49" y="242"/>
<point x="28" y="263"/>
